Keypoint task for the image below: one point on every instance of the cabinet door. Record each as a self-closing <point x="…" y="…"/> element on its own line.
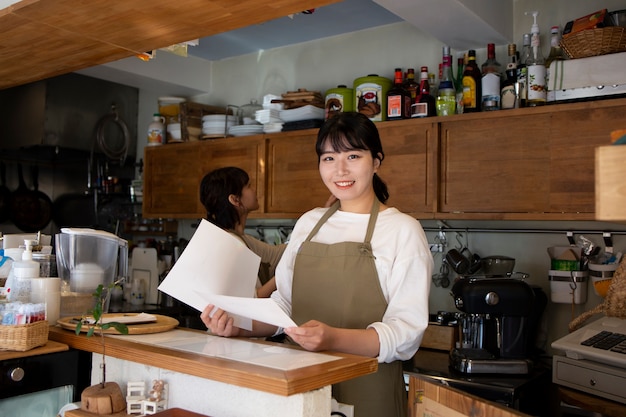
<point x="410" y="165"/>
<point x="247" y="153"/>
<point x="496" y="164"/>
<point x="574" y="136"/>
<point x="171" y="177"/>
<point x="294" y="183"/>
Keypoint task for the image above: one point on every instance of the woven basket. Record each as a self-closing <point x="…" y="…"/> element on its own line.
<point x="594" y="42"/>
<point x="24" y="337"/>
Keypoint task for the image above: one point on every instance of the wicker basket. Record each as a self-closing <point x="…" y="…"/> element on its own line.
<point x="594" y="42"/>
<point x="24" y="337"/>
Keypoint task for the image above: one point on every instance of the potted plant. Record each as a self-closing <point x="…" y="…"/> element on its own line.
<point x="105" y="397"/>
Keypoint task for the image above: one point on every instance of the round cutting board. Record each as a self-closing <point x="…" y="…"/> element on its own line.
<point x="162" y="324"/>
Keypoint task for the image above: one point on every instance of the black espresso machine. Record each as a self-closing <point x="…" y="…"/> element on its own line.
<point x="498" y="326"/>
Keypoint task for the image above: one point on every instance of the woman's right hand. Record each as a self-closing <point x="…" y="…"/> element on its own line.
<point x="219" y="322"/>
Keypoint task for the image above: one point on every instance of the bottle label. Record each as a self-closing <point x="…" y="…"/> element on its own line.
<point x="491" y="91"/>
<point x="469" y="92"/>
<point x="523" y="82"/>
<point x="394" y="106"/>
<point x="537" y="91"/>
<point x="508" y="97"/>
<point x="155" y="137"/>
<point x="419" y="110"/>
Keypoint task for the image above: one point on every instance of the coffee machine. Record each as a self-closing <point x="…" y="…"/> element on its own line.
<point x="498" y="325"/>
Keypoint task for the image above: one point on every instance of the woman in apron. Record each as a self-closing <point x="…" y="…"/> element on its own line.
<point x="228" y="197"/>
<point x="355" y="277"/>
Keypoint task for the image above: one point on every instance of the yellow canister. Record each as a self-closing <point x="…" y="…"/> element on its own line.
<point x="370" y="96"/>
<point x="340" y="99"/>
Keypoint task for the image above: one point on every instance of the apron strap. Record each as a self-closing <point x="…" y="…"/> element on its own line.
<point x="325" y="217"/>
<point x="372" y="221"/>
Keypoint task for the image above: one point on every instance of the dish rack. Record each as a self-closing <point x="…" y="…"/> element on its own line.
<point x="594" y="42"/>
<point x="23" y="337"/>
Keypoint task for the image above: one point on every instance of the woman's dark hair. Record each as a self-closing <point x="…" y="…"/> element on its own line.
<point x="215" y="188"/>
<point x="350" y="130"/>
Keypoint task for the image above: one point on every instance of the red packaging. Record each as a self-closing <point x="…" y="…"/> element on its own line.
<point x="591" y="21"/>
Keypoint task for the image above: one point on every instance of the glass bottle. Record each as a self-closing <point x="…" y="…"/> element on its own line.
<point x="522" y="71"/>
<point x="398" y="99"/>
<point x="424" y="105"/>
<point x="491" y="80"/>
<point x="508" y="93"/>
<point x="536" y="70"/>
<point x="446" y="94"/>
<point x="458" y="83"/>
<point x="556" y="53"/>
<point x="472" y="84"/>
<point x="410" y="84"/>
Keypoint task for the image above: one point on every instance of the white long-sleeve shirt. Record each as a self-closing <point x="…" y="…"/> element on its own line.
<point x="403" y="261"/>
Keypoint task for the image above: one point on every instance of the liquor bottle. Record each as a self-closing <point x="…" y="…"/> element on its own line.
<point x="424" y="105"/>
<point x="491" y="80"/>
<point x="446" y="94"/>
<point x="398" y="99"/>
<point x="410" y="84"/>
<point x="536" y="69"/>
<point x="522" y="71"/>
<point x="458" y="84"/>
<point x="472" y="84"/>
<point x="556" y="53"/>
<point x="508" y="93"/>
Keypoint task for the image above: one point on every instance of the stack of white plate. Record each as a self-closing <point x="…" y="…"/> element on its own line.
<point x="307" y="112"/>
<point x="215" y="125"/>
<point x="272" y="127"/>
<point x="267" y="116"/>
<point x="245" y="130"/>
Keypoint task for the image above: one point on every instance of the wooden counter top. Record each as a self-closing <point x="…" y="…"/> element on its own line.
<point x="261" y="378"/>
<point x="49" y="347"/>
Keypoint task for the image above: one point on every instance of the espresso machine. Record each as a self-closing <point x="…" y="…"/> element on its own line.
<point x="498" y="324"/>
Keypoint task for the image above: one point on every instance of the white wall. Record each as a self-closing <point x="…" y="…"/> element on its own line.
<point x="325" y="63"/>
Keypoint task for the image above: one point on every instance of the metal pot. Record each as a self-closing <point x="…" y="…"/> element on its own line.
<point x="497" y="265"/>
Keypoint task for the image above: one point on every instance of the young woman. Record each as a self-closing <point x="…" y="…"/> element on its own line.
<point x="228" y="197"/>
<point x="355" y="277"/>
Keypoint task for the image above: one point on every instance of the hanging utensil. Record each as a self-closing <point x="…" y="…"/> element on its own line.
<point x="30" y="210"/>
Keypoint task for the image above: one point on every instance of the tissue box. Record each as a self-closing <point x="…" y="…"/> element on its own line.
<point x="568" y="287"/>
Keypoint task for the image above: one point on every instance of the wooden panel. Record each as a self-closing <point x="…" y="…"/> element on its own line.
<point x="294" y="183"/>
<point x="574" y="136"/>
<point x="429" y="399"/>
<point x="495" y="165"/>
<point x="41" y="39"/>
<point x="247" y="153"/>
<point x="172" y="174"/>
<point x="610" y="172"/>
<point x="410" y="165"/>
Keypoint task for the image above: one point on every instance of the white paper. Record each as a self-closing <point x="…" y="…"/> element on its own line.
<point x="261" y="309"/>
<point x="214" y="262"/>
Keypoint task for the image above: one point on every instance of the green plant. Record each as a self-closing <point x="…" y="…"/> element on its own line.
<point x="101" y="296"/>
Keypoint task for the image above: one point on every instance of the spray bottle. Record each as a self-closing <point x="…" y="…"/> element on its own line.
<point x="18" y="283"/>
<point x="536" y="68"/>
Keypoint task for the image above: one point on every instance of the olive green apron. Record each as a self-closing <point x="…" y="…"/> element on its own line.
<point x="338" y="284"/>
<point x="264" y="267"/>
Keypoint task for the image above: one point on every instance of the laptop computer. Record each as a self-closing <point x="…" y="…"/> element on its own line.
<point x="603" y="340"/>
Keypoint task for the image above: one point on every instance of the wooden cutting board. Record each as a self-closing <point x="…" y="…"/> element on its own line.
<point x="162" y="324"/>
<point x="49" y="347"/>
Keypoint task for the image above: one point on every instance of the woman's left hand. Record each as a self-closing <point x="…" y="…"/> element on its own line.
<point x="313" y="335"/>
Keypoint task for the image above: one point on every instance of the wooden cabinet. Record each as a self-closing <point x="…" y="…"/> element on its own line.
<point x="525" y="164"/>
<point x="294" y="183"/>
<point x="522" y="164"/>
<point x="410" y="165"/>
<point x="173" y="173"/>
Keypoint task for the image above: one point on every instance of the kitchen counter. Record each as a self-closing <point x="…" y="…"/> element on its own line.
<point x="275" y="378"/>
<point x="527" y="393"/>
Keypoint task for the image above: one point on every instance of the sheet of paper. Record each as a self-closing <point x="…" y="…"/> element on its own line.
<point x="261" y="309"/>
<point x="214" y="262"/>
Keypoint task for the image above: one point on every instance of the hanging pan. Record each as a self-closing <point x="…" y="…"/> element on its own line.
<point x="31" y="210"/>
<point x="5" y="195"/>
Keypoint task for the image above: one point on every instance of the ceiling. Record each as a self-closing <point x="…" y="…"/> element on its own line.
<point x="334" y="19"/>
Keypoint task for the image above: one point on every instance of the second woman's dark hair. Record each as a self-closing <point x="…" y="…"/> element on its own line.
<point x="351" y="130"/>
<point x="215" y="188"/>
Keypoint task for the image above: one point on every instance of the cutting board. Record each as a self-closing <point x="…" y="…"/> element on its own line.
<point x="144" y="265"/>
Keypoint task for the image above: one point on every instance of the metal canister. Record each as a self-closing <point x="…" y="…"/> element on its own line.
<point x="340" y="99"/>
<point x="370" y="96"/>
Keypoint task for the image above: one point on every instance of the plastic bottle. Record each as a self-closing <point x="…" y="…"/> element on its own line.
<point x="536" y="68"/>
<point x="446" y="94"/>
<point x="156" y="130"/>
<point x="18" y="283"/>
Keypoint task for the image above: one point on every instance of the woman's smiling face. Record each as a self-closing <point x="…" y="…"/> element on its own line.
<point x="348" y="175"/>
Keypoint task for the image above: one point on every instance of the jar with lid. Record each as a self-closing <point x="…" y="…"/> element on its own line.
<point x="247" y="112"/>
